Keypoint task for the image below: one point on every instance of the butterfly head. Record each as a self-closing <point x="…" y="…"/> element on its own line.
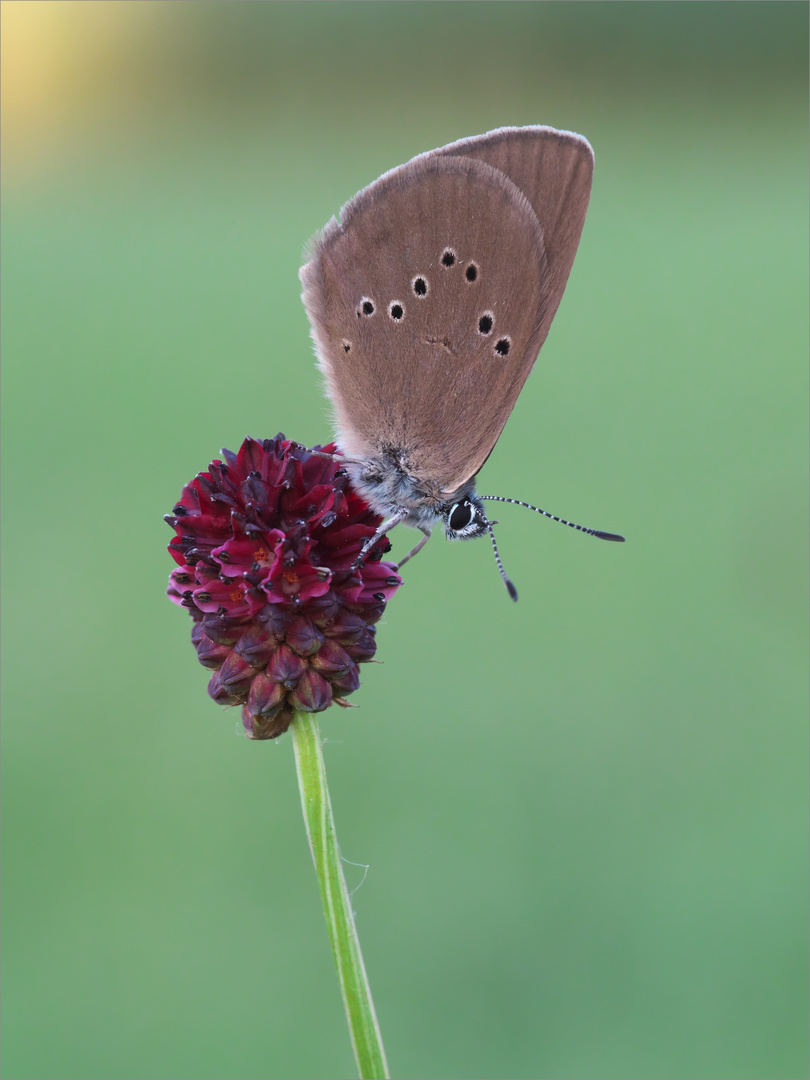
<point x="465" y="519"/>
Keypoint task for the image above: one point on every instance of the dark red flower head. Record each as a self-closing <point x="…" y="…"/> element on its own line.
<point x="265" y="544"/>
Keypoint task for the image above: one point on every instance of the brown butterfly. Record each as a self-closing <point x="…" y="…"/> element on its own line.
<point x="429" y="301"/>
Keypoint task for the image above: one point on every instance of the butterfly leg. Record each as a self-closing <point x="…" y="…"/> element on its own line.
<point x="378" y="535"/>
<point x="416" y="549"/>
<point x="337" y="456"/>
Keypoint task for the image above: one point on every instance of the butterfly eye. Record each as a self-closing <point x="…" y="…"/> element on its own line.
<point x="460" y="516"/>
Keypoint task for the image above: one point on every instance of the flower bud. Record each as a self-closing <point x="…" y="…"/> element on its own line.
<point x="265" y="547"/>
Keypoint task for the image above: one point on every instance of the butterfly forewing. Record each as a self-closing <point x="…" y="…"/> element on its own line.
<point x="427" y="304"/>
<point x="554" y="170"/>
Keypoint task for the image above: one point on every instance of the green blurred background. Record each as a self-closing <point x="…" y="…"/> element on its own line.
<point x="585" y="814"/>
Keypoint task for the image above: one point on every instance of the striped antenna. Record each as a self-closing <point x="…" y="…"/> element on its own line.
<point x="571" y="525"/>
<point x="510" y="588"/>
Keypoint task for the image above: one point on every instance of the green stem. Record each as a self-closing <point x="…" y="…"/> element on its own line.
<point x="363" y="1027"/>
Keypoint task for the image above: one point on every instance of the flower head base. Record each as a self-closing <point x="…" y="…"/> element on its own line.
<point x="265" y="546"/>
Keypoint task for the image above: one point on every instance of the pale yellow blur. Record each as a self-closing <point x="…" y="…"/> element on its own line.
<point x="64" y="64"/>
